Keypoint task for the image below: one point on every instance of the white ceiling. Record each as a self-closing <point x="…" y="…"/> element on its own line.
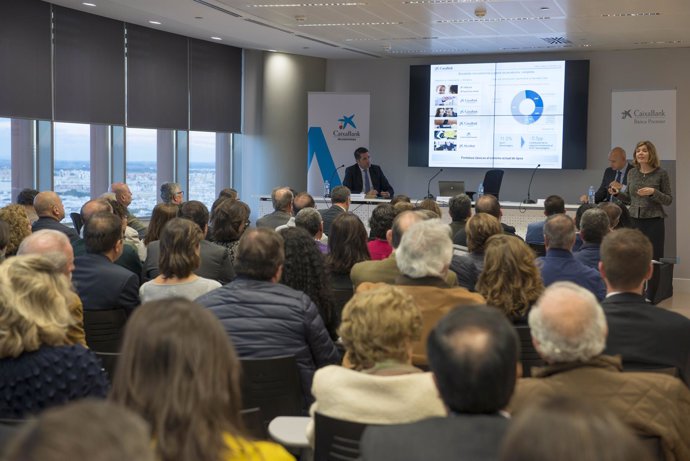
<point x="395" y="28"/>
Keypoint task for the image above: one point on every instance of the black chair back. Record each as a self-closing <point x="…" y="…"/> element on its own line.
<point x="254" y="423"/>
<point x="273" y="385"/>
<point x="492" y="182"/>
<point x="651" y="368"/>
<point x="109" y="361"/>
<point x="104" y="329"/>
<point x="528" y="354"/>
<point x="335" y="439"/>
<point x="76" y="221"/>
<point x="538" y="248"/>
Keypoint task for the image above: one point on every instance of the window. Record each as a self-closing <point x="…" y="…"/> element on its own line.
<point x="202" y="167"/>
<point x="72" y="165"/>
<point x="141" y="148"/>
<point x="5" y="161"/>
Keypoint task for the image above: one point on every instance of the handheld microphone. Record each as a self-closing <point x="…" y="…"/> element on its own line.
<point x="330" y="179"/>
<point x="428" y="186"/>
<point x="529" y="199"/>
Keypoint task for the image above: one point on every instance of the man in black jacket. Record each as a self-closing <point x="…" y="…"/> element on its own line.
<point x="616" y="175"/>
<point x="363" y="177"/>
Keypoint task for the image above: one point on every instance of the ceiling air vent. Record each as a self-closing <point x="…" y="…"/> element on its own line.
<point x="259" y="23"/>
<point x="557" y="40"/>
<point x="215" y="7"/>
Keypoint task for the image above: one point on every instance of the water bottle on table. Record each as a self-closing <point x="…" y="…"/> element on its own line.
<point x="480" y="190"/>
<point x="327" y="189"/>
<point x="590" y="195"/>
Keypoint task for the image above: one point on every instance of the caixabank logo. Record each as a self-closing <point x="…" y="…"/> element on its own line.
<point x="644" y="116"/>
<point x="347" y="129"/>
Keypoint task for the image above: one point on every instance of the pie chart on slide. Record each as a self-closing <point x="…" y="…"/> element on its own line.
<point x="527" y="107"/>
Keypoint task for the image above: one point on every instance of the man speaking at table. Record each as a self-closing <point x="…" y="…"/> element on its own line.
<point x="363" y="177"/>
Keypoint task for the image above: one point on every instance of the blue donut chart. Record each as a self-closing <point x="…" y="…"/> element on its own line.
<point x="527" y="119"/>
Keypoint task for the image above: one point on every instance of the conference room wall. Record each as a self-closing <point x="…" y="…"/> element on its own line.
<point x="272" y="149"/>
<point x="387" y="80"/>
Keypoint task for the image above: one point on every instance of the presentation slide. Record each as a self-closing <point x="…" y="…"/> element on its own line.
<point x="497" y="115"/>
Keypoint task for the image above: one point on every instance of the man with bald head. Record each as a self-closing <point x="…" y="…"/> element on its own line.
<point x="616" y="175"/>
<point x="51" y="242"/>
<point x="282" y="206"/>
<point x="386" y="270"/>
<point x="569" y="332"/>
<point x="489" y="204"/>
<point x="124" y="196"/>
<point x="51" y="211"/>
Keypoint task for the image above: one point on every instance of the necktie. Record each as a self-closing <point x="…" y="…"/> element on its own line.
<point x="618" y="176"/>
<point x="367" y="182"/>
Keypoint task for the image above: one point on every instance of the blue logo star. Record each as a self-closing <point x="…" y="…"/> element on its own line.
<point x="345" y="121"/>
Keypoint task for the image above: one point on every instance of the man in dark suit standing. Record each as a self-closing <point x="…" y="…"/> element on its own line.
<point x="340" y="197"/>
<point x="363" y="177"/>
<point x="473" y="354"/>
<point x="51" y="211"/>
<point x="616" y="175"/>
<point x="100" y="283"/>
<point x="639" y="331"/>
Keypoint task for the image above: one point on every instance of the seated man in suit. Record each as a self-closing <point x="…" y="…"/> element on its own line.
<point x="553" y="204"/>
<point x="282" y="206"/>
<point x="559" y="264"/>
<point x="124" y="196"/>
<point x="340" y="198"/>
<point x="172" y="193"/>
<point x="639" y="331"/>
<point x="386" y="270"/>
<point x="473" y="355"/>
<point x="490" y="205"/>
<point x="51" y="211"/>
<point x="100" y="283"/>
<point x="363" y="177"/>
<point x="460" y="210"/>
<point x="215" y="260"/>
<point x="616" y="176"/>
<point x="594" y="226"/>
<point x="569" y="331"/>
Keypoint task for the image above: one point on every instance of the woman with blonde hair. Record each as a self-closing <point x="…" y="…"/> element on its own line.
<point x="510" y="279"/>
<point x="179" y="371"/>
<point x="467" y="267"/>
<point x="377" y="384"/>
<point x="39" y="368"/>
<point x="20" y="227"/>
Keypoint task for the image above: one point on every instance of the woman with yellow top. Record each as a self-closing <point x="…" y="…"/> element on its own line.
<point x="179" y="371"/>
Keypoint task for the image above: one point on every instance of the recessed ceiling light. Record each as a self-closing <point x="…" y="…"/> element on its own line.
<point x="88" y="4"/>
<point x="155" y="22"/>
<point x="216" y="38"/>
<point x="272" y="51"/>
<point x="629" y="15"/>
<point x="465" y="21"/>
<point x="306" y="5"/>
<point x="544" y="8"/>
<point x="351" y="24"/>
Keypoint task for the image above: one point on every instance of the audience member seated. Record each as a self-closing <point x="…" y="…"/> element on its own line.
<point x="19" y="224"/>
<point x="229" y="192"/>
<point x="640" y="332"/>
<point x="578" y="216"/>
<point x="123" y="195"/>
<point x="172" y="193"/>
<point x="468" y="266"/>
<point x="89" y="430"/>
<point x="282" y="206"/>
<point x="553" y="204"/>
<point x="214" y="207"/>
<point x="215" y="260"/>
<point x="305" y="270"/>
<point x="4" y="239"/>
<point x="51" y="211"/>
<point x="179" y="371"/>
<point x="594" y="226"/>
<point x="423" y="259"/>
<point x="569" y="332"/>
<point x="39" y="368"/>
<point x="311" y="221"/>
<point x="229" y="223"/>
<point x="559" y="264"/>
<point x="510" y="279"/>
<point x="131" y="235"/>
<point x="473" y="355"/>
<point x="490" y="205"/>
<point x="161" y="214"/>
<point x="100" y="283"/>
<point x="382" y="386"/>
<point x="568" y="429"/>
<point x="386" y="270"/>
<point x="460" y="210"/>
<point x="301" y="201"/>
<point x="380" y="223"/>
<point x="50" y="243"/>
<point x="403" y="206"/>
<point x="347" y="246"/>
<point x="431" y="205"/>
<point x="340" y="203"/>
<point x="400" y="198"/>
<point x="288" y="321"/>
<point x="179" y="258"/>
<point x="25" y="198"/>
<point x="614" y="212"/>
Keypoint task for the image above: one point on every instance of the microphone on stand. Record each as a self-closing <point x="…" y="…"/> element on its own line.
<point x="330" y="179"/>
<point x="529" y="199"/>
<point x="428" y="186"/>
